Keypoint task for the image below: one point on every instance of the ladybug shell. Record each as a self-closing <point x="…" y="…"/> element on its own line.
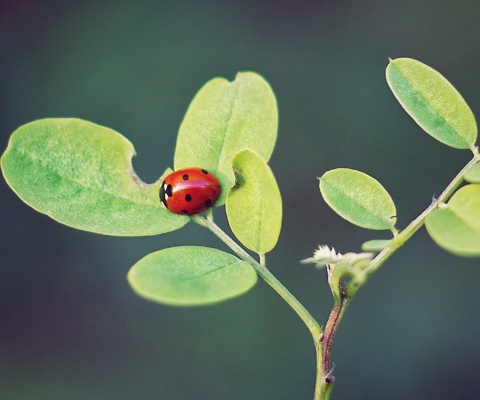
<point x="189" y="191"/>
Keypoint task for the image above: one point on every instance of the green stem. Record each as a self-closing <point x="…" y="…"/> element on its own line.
<point x="417" y="223"/>
<point x="265" y="274"/>
<point x="398" y="241"/>
<point x="321" y="393"/>
<point x="323" y="340"/>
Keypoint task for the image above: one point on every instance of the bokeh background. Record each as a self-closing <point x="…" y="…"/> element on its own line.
<point x="71" y="328"/>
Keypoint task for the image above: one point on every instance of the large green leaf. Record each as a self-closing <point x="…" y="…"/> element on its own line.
<point x="223" y="118"/>
<point x="358" y="198"/>
<point x="81" y="175"/>
<point x="432" y="102"/>
<point x="456" y="226"/>
<point x="254" y="204"/>
<point x="191" y="276"/>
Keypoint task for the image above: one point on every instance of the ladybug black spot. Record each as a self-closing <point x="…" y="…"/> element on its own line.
<point x="188" y="197"/>
<point x="165" y="193"/>
<point x="185" y="177"/>
<point x="208" y="203"/>
<point x="205" y="171"/>
<point x="185" y="211"/>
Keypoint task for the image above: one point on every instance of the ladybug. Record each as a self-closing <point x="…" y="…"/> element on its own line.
<point x="189" y="191"/>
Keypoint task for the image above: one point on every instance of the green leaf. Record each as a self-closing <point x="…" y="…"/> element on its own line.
<point x="81" y="175"/>
<point x="375" y="245"/>
<point x="472" y="175"/>
<point x="191" y="276"/>
<point x="358" y="198"/>
<point x="432" y="102"/>
<point x="254" y="204"/>
<point x="223" y="118"/>
<point x="456" y="225"/>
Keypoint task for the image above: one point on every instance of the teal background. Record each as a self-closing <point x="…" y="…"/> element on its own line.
<point x="70" y="326"/>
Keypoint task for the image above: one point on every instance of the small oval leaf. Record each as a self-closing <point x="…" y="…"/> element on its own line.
<point x="80" y="174"/>
<point x="224" y="118"/>
<point x="375" y="245"/>
<point x="254" y="204"/>
<point x="472" y="175"/>
<point x="456" y="226"/>
<point x="432" y="102"/>
<point x="358" y="198"/>
<point x="191" y="276"/>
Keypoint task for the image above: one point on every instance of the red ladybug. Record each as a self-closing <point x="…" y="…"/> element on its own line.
<point x="189" y="191"/>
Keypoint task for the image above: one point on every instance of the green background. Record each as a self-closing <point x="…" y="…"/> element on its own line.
<point x="71" y="327"/>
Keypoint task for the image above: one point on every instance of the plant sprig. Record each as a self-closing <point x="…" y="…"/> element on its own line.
<point x="81" y="175"/>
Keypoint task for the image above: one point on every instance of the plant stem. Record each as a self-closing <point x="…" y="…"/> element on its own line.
<point x="322" y="392"/>
<point x="418" y="222"/>
<point x="323" y="339"/>
<point x="352" y="287"/>
<point x="326" y="383"/>
<point x="265" y="274"/>
<point x="330" y="329"/>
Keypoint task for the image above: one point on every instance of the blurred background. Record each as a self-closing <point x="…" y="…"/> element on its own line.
<point x="70" y="326"/>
